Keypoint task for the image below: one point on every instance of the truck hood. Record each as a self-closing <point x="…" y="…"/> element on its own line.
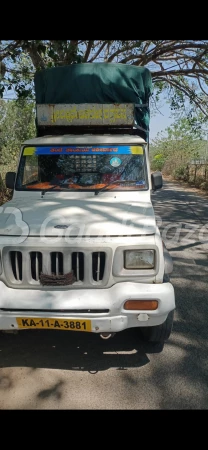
<point x="94" y="216"/>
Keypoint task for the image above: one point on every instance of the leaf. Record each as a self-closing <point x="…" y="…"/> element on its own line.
<point x="179" y="67"/>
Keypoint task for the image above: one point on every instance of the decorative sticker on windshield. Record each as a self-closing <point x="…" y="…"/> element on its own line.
<point x="115" y="162"/>
<point x="87" y="150"/>
<point x="29" y="151"/>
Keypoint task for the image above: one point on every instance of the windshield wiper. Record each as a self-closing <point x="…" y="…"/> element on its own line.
<point x="114" y="182"/>
<point x="49" y="189"/>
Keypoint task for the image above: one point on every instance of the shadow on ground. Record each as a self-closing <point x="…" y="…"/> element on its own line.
<point x="74" y="351"/>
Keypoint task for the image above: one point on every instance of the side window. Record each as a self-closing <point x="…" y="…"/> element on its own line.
<point x="31" y="170"/>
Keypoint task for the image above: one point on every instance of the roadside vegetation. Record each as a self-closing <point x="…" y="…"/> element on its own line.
<point x="181" y="153"/>
<point x="17" y="123"/>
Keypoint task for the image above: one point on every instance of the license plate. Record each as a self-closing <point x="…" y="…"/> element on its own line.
<point x="54" y="324"/>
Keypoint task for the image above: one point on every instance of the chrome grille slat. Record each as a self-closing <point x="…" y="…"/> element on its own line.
<point x="36" y="266"/>
<point x="35" y="262"/>
<point x="17" y="266"/>
<point x="67" y="263"/>
<point x="98" y="267"/>
<point x="77" y="266"/>
<point x="88" y="268"/>
<point x="57" y="263"/>
<point x="46" y="262"/>
<point x="26" y="266"/>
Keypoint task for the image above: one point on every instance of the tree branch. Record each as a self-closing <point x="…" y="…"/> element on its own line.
<point x="35" y="56"/>
<point x="173" y="48"/>
<point x="71" y="52"/>
<point x="95" y="56"/>
<point x="188" y="92"/>
<point x="127" y="48"/>
<point x="88" y="50"/>
<point x="180" y="72"/>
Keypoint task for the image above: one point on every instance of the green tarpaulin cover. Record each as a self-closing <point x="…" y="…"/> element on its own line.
<point x="97" y="83"/>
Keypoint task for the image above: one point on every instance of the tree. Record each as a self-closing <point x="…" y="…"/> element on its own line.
<point x="17" y="123"/>
<point x="179" y="67"/>
<point x="176" y="147"/>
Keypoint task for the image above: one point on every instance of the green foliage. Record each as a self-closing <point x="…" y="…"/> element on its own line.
<point x="179" y="67"/>
<point x="158" y="162"/>
<point x="177" y="146"/>
<point x="5" y="194"/>
<point x="17" y="123"/>
<point x="180" y="173"/>
<point x="178" y="151"/>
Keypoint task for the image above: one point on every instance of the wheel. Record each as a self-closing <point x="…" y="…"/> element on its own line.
<point x="159" y="333"/>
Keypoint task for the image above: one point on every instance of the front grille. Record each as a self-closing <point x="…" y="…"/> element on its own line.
<point x="25" y="268"/>
<point x="16" y="265"/>
<point x="98" y="265"/>
<point x="57" y="267"/>
<point x="36" y="265"/>
<point x="78" y="265"/>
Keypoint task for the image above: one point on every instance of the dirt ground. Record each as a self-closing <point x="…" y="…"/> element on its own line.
<point x="186" y="186"/>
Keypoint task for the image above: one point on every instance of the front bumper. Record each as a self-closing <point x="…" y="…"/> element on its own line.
<point x="16" y="303"/>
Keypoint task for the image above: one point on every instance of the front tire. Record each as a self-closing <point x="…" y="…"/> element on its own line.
<point x="159" y="333"/>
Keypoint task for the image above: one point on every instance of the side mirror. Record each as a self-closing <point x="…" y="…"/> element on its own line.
<point x="157" y="181"/>
<point x="10" y="180"/>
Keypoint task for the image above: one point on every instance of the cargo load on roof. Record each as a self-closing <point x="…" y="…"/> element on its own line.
<point x="126" y="90"/>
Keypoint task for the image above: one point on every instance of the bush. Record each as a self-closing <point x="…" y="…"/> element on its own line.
<point x="5" y="194"/>
<point x="180" y="173"/>
<point x="158" y="162"/>
<point x="199" y="181"/>
<point x="204" y="185"/>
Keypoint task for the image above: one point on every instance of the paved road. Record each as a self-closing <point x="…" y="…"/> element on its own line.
<point x="54" y="370"/>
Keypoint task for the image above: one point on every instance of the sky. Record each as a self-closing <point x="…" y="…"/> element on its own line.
<point x="160" y="120"/>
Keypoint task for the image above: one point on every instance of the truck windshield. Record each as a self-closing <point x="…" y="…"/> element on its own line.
<point x="82" y="168"/>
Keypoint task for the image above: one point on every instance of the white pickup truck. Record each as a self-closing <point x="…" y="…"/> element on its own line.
<point x="79" y="246"/>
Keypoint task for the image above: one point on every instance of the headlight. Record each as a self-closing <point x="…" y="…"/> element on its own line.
<point x="139" y="259"/>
